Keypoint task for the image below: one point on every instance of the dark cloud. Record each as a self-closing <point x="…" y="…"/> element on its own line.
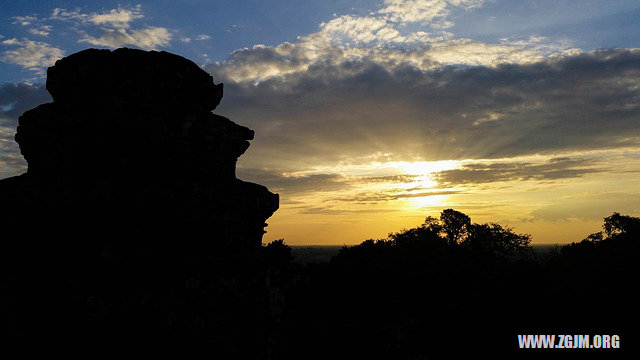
<point x="11" y="161"/>
<point x="275" y="181"/>
<point x="387" y="179"/>
<point x="355" y="108"/>
<point x="319" y="210"/>
<point x="373" y="197"/>
<point x="348" y="110"/>
<point x="14" y="100"/>
<point x="557" y="168"/>
<point x="297" y="185"/>
<point x="18" y="98"/>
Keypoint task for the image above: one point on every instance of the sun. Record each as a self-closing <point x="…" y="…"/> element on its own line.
<point x="428" y="201"/>
<point x="423" y="172"/>
<point x="424" y="167"/>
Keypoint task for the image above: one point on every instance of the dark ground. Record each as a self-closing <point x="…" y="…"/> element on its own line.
<point x="313" y="254"/>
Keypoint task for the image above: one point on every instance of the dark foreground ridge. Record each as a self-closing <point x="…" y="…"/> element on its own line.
<point x="130" y="190"/>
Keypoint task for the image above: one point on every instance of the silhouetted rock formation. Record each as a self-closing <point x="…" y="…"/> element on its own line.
<point x="129" y="175"/>
<point x="136" y="127"/>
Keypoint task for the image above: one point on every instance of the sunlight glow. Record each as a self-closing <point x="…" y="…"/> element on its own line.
<point x="428" y="201"/>
<point x="423" y="170"/>
<point x="423" y="167"/>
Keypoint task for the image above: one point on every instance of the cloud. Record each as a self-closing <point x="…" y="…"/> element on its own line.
<point x="358" y="29"/>
<point x="118" y="18"/>
<point x="553" y="169"/>
<point x="14" y="100"/>
<point x="414" y="11"/>
<point x="32" y="55"/>
<point x="114" y="18"/>
<point x="406" y="179"/>
<point x="386" y="37"/>
<point x="374" y="40"/>
<point x="201" y="37"/>
<point x="11" y="162"/>
<point x="148" y="38"/>
<point x="432" y="12"/>
<point x="42" y="31"/>
<point x="475" y="53"/>
<point x="262" y="63"/>
<point x="290" y="185"/>
<point x="114" y="28"/>
<point x="390" y="195"/>
<point x="32" y="20"/>
<point x="320" y="210"/>
<point x="25" y="20"/>
<point x="351" y="109"/>
<point x="293" y="186"/>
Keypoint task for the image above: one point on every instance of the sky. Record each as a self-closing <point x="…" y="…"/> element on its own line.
<point x="372" y="115"/>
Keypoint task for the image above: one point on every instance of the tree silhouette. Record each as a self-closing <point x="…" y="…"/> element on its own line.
<point x="429" y="230"/>
<point x="496" y="241"/>
<point x="617" y="224"/>
<point x="454" y="224"/>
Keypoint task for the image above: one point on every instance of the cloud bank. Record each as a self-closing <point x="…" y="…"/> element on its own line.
<point x="351" y="109"/>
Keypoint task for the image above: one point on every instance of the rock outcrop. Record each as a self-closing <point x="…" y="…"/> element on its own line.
<point x="130" y="177"/>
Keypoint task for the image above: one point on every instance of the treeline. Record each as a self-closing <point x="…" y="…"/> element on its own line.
<point x="447" y="289"/>
<point x="451" y="288"/>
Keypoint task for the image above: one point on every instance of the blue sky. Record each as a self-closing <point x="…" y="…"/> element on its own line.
<point x="587" y="24"/>
<point x="371" y="115"/>
<point x="230" y="25"/>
